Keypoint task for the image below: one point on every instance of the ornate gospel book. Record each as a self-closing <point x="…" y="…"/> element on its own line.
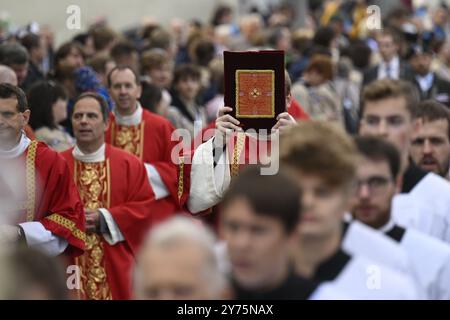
<point x="255" y="87"/>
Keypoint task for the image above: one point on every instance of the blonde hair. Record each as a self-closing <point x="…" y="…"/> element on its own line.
<point x="320" y="148"/>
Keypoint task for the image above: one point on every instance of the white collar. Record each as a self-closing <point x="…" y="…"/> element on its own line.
<point x="132" y="120"/>
<point x="394" y="63"/>
<point x="348" y="217"/>
<point x="426" y="81"/>
<point x="18" y="149"/>
<point x="388" y="226"/>
<point x="96" y="156"/>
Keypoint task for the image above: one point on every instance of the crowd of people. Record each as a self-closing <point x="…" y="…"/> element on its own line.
<point x="93" y="183"/>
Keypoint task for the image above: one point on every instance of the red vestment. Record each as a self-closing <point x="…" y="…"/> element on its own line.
<point x="51" y="196"/>
<point x="120" y="185"/>
<point x="150" y="141"/>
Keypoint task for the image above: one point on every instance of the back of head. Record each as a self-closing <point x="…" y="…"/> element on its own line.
<point x="173" y="238"/>
<point x="160" y="38"/>
<point x="154" y="59"/>
<point x="41" y="98"/>
<point x="7" y="75"/>
<point x="13" y="54"/>
<point x="321" y="149"/>
<point x="30" y="41"/>
<point x="35" y="276"/>
<point x="321" y="64"/>
<point x="102" y="37"/>
<point x="122" y="49"/>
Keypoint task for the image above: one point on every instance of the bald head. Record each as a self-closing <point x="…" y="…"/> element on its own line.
<point x="8" y="75"/>
<point x="178" y="262"/>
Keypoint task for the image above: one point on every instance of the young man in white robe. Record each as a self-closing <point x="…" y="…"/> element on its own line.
<point x="377" y="173"/>
<point x="322" y="158"/>
<point x="388" y="110"/>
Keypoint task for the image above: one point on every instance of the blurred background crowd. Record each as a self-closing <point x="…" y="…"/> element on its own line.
<point x="332" y="50"/>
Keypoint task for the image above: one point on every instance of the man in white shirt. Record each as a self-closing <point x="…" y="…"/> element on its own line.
<point x="390" y="65"/>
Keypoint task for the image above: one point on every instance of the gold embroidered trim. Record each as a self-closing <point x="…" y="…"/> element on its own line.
<point x="129" y="138"/>
<point x="68" y="224"/>
<point x="237" y="150"/>
<point x="31" y="179"/>
<point x="93" y="183"/>
<point x="180" y="178"/>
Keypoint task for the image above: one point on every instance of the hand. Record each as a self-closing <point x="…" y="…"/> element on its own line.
<point x="9" y="234"/>
<point x="92" y="220"/>
<point x="225" y="124"/>
<point x="285" y="121"/>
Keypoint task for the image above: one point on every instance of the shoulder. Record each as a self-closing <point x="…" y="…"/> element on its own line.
<point x="42" y="131"/>
<point x="156" y="120"/>
<point x="150" y="116"/>
<point x="67" y="154"/>
<point x="48" y="158"/>
<point x="121" y="156"/>
<point x="433" y="246"/>
<point x="44" y="151"/>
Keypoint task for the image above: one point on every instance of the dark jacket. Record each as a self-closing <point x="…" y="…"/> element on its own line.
<point x="371" y="74"/>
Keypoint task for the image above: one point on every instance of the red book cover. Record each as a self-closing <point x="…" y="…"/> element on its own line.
<point x="255" y="87"/>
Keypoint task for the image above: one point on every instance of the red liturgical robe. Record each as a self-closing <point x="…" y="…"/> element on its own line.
<point x="150" y="141"/>
<point x="51" y="196"/>
<point x="120" y="185"/>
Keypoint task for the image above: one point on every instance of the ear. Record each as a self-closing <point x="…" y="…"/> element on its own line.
<point x="398" y="184"/>
<point x="416" y="125"/>
<point x="288" y="100"/>
<point x="26" y="116"/>
<point x="106" y="125"/>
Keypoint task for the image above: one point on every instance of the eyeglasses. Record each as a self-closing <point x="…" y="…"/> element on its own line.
<point x="8" y="115"/>
<point x="376" y="184"/>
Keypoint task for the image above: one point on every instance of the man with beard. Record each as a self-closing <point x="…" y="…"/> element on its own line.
<point x="429" y="84"/>
<point x="322" y="159"/>
<point x="377" y="173"/>
<point x="388" y="110"/>
<point x="430" y="148"/>
<point x="258" y="224"/>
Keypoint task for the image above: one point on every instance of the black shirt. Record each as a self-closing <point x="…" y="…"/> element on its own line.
<point x="396" y="233"/>
<point x="294" y="287"/>
<point x="411" y="177"/>
<point x="330" y="269"/>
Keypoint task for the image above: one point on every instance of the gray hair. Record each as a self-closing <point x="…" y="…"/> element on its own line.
<point x="182" y="230"/>
<point x="7" y="75"/>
